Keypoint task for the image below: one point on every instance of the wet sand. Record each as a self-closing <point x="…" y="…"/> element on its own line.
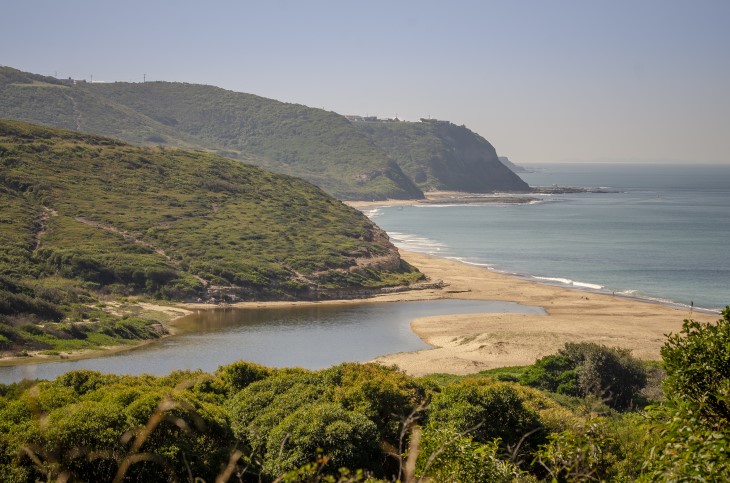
<point x="464" y="344"/>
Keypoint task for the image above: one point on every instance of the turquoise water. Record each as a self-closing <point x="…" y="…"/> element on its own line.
<point x="664" y="235"/>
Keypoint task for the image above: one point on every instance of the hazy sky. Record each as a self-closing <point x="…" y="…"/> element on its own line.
<point x="544" y="81"/>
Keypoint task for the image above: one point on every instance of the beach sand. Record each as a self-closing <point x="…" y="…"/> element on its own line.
<point x="464" y="344"/>
<point x="443" y="197"/>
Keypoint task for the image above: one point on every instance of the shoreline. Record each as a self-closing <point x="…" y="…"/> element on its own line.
<point x="170" y="313"/>
<point x="447" y="197"/>
<point x="469" y="343"/>
<point x="465" y="344"/>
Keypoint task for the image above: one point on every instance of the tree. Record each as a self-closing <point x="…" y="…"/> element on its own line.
<point x="348" y="439"/>
<point x="588" y="369"/>
<point x="693" y="426"/>
<point x="697" y="361"/>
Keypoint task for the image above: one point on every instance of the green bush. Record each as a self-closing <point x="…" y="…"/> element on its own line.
<point x="610" y="373"/>
<point x="585" y="369"/>
<point x="692" y="428"/>
<point x="697" y="361"/>
<point x="485" y="411"/>
<point x="448" y="456"/>
<point x="554" y="373"/>
<point x="383" y="394"/>
<point x="240" y="374"/>
<point x="348" y="439"/>
<point x="582" y="453"/>
<point x="255" y="410"/>
<point x="80" y="429"/>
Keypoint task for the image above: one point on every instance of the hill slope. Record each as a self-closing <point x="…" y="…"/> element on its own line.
<point x="512" y="166"/>
<point x="95" y="215"/>
<point x="313" y="144"/>
<point x="438" y="155"/>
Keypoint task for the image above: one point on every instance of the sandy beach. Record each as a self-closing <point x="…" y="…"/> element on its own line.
<point x="464" y="344"/>
<point x="445" y="197"/>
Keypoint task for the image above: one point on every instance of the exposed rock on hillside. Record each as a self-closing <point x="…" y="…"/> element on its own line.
<point x="439" y="155"/>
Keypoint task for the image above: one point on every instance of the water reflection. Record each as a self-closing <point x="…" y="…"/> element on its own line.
<point x="313" y="337"/>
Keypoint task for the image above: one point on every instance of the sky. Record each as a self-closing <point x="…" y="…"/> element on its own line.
<point x="543" y="81"/>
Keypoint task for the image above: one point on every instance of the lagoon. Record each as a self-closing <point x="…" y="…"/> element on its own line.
<point x="310" y="336"/>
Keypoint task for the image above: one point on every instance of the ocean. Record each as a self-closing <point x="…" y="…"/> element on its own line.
<point x="662" y="233"/>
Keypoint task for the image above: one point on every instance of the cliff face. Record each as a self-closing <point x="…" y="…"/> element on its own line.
<point x="512" y="166"/>
<point x="439" y="155"/>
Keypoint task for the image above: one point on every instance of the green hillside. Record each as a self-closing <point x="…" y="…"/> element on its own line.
<point x="83" y="215"/>
<point x="319" y="146"/>
<point x="439" y="155"/>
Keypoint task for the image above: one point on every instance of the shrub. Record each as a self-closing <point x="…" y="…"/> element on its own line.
<point x="76" y="431"/>
<point x="348" y="439"/>
<point x="554" y="373"/>
<point x="486" y="410"/>
<point x="447" y="456"/>
<point x="384" y="395"/>
<point x="84" y="380"/>
<point x="586" y="369"/>
<point x="257" y="409"/>
<point x="697" y="361"/>
<point x="240" y="374"/>
<point x="610" y="373"/>
<point x="692" y="428"/>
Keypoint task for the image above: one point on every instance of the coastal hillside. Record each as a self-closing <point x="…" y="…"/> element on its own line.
<point x="516" y="168"/>
<point x="361" y="160"/>
<point x="319" y="146"/>
<point x="82" y="216"/>
<point x="439" y="155"/>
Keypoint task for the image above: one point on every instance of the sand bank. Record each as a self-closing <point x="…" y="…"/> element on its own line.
<point x="446" y="197"/>
<point x="466" y="344"/>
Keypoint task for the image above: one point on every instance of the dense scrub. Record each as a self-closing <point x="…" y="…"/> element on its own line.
<point x="439" y="155"/>
<point x="82" y="216"/>
<point x="587" y="369"/>
<point x="319" y="146"/>
<point x="246" y="422"/>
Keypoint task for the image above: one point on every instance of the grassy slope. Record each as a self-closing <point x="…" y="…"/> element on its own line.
<point x="83" y="214"/>
<point x="316" y="145"/>
<point x="443" y="156"/>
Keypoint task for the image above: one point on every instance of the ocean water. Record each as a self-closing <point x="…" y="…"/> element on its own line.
<point x="663" y="235"/>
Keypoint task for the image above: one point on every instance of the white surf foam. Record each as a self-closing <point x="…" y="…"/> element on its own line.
<point x="469" y="262"/>
<point x="372" y="213"/>
<point x="567" y="281"/>
<point x="415" y="243"/>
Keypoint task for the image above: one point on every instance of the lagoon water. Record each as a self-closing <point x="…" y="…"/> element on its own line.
<point x="663" y="235"/>
<point x="313" y="337"/>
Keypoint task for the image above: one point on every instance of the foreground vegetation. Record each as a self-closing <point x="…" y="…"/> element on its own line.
<point x="250" y="423"/>
<point x="84" y="217"/>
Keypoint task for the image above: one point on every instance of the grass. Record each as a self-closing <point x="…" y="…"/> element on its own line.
<point x="84" y="217"/>
<point x="442" y="156"/>
<point x="319" y="146"/>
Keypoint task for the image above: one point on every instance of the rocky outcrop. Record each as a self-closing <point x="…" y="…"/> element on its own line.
<point x="438" y="155"/>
